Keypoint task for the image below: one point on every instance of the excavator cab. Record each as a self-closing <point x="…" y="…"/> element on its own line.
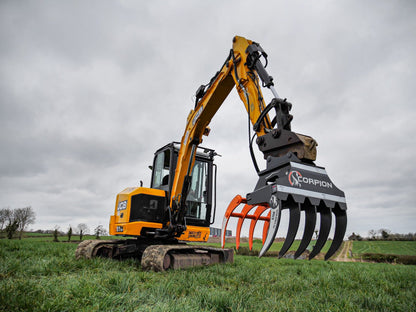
<point x="145" y="212"/>
<point x="199" y="200"/>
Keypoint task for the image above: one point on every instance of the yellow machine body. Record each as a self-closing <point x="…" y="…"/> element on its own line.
<point x="122" y="224"/>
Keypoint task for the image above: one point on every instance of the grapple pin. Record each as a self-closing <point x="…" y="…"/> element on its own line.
<point x="340" y="228"/>
<point x="294" y="219"/>
<point x="326" y="220"/>
<point x="310" y="221"/>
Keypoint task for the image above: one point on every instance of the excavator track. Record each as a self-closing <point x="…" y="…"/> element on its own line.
<point x="95" y="248"/>
<point x="155" y="257"/>
<point x="163" y="257"/>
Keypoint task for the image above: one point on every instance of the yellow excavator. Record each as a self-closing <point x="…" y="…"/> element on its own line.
<point x="179" y="206"/>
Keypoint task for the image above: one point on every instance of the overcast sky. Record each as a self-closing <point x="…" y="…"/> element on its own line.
<point x="90" y="89"/>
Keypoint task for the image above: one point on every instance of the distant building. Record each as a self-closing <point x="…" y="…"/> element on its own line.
<point x="215" y="232"/>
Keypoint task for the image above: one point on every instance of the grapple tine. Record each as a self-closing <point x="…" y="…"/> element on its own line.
<point x="236" y="201"/>
<point x="266" y="228"/>
<point x="276" y="209"/>
<point x="257" y="214"/>
<point x="244" y="212"/>
<point x="326" y="220"/>
<point x="340" y="228"/>
<point x="310" y="221"/>
<point x="294" y="219"/>
<point x="223" y="230"/>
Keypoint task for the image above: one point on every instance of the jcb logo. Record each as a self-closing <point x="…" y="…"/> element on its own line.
<point x="122" y="205"/>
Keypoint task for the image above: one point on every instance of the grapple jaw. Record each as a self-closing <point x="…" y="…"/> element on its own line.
<point x="289" y="183"/>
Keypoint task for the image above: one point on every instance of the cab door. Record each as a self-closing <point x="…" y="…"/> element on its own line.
<point x="199" y="198"/>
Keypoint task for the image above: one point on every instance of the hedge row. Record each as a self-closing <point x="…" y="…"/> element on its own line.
<point x="387" y="258"/>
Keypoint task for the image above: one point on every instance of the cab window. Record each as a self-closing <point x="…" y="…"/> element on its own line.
<point x="160" y="179"/>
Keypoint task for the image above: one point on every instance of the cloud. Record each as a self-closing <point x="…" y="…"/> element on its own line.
<point x="88" y="92"/>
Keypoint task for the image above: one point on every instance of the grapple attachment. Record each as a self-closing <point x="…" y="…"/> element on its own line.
<point x="289" y="183"/>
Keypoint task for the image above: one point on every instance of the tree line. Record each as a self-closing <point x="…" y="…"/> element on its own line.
<point x="383" y="235"/>
<point x="16" y="220"/>
<point x="80" y="230"/>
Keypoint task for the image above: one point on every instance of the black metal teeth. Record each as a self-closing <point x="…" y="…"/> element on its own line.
<point x="340" y="228"/>
<point x="325" y="227"/>
<point x="310" y="221"/>
<point x="294" y="219"/>
<point x="310" y="212"/>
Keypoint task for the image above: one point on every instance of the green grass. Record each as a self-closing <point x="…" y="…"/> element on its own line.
<point x="35" y="234"/>
<point x="276" y="246"/>
<point x="44" y="276"/>
<point x="385" y="247"/>
<point x="62" y="238"/>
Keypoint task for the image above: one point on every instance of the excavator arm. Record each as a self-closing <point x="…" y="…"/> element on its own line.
<point x="289" y="155"/>
<point x="209" y="98"/>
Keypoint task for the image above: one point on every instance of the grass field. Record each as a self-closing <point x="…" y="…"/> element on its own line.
<point x="44" y="276"/>
<point x="257" y="244"/>
<point x="385" y="247"/>
<point x="63" y="238"/>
